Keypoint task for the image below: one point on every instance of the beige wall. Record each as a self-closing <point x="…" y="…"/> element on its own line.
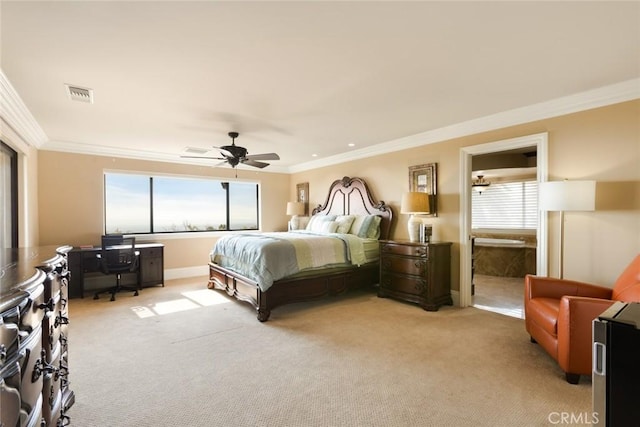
<point x="71" y="201"/>
<point x="601" y="144"/>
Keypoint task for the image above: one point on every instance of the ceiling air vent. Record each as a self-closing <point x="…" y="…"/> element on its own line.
<point x="77" y="93"/>
<point x="196" y="150"/>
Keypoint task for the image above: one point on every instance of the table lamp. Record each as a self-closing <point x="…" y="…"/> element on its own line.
<point x="414" y="203"/>
<point x="295" y="209"/>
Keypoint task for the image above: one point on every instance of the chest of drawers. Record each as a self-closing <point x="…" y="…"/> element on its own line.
<point x="416" y="272"/>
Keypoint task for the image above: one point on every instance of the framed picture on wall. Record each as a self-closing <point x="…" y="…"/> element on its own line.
<point x="422" y="178"/>
<point x="303" y="196"/>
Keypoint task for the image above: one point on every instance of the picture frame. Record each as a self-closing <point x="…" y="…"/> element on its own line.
<point x="302" y="195"/>
<point x="422" y="179"/>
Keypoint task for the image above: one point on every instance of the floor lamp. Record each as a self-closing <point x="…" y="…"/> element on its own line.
<point x="563" y="196"/>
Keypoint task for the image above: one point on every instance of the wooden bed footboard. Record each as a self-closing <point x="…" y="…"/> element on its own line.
<point x="287" y="291"/>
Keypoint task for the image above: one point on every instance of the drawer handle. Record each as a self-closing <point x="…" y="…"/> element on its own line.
<point x="421" y="286"/>
<point x="41" y="367"/>
<point x="422" y="252"/>
<point x="61" y="320"/>
<point x="47" y="306"/>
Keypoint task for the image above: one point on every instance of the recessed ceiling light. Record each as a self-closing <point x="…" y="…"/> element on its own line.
<point x="351" y="144"/>
<point x="314" y="155"/>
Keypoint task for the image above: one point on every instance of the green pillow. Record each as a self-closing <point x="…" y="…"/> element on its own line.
<point x="366" y="226"/>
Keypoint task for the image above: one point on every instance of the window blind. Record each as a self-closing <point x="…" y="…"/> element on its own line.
<point x="506" y="205"/>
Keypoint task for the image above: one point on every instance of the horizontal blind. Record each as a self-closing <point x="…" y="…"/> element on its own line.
<point x="506" y="205"/>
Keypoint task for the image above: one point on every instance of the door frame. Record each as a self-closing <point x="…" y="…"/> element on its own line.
<point x="540" y="142"/>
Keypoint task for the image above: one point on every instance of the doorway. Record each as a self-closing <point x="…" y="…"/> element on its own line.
<point x="504" y="221"/>
<point x="537" y="143"/>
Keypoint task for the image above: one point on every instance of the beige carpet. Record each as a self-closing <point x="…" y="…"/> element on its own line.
<point x="184" y="355"/>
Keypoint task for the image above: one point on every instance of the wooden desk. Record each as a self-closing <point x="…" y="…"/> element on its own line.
<point x="84" y="260"/>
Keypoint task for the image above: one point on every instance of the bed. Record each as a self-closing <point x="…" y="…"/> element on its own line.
<point x="347" y="197"/>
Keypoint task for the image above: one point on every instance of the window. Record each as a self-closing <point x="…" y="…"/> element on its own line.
<point x="506" y="205"/>
<point x="8" y="197"/>
<point x="137" y="204"/>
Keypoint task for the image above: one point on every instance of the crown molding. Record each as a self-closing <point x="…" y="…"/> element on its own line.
<point x="128" y="153"/>
<point x="17" y="116"/>
<point x="600" y="97"/>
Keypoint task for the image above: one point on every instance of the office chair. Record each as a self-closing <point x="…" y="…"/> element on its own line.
<point x="118" y="255"/>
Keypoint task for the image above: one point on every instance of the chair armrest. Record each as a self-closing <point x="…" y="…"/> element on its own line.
<point x="549" y="287"/>
<point x="575" y="320"/>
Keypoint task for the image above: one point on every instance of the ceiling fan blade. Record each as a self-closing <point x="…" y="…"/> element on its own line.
<point x="264" y="156"/>
<point x="225" y="152"/>
<point x="254" y="163"/>
<point x="202" y="157"/>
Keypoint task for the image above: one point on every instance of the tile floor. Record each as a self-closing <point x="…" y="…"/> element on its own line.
<point x="503" y="295"/>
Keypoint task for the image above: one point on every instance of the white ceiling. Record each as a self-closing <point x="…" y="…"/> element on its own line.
<point x="301" y="78"/>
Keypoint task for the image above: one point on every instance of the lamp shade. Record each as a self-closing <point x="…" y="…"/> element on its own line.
<point x="415" y="203"/>
<point x="295" y="208"/>
<point x="567" y="196"/>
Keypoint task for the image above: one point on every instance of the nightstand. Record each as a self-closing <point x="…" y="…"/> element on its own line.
<point x="416" y="272"/>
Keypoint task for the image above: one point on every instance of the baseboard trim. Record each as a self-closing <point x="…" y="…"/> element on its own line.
<point x="455" y="296"/>
<point x="181" y="273"/>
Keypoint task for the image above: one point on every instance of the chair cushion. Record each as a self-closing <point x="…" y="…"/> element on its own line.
<point x="544" y="312"/>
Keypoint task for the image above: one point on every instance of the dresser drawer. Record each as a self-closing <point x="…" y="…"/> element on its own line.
<point x="400" y="264"/>
<point x="407" y="250"/>
<point x="403" y="284"/>
<point x="150" y="252"/>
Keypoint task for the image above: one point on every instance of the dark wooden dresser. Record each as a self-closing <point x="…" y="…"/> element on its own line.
<point x="416" y="272"/>
<point x="34" y="357"/>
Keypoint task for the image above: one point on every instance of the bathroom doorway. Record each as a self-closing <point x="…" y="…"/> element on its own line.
<point x="491" y="283"/>
<point x="504" y="222"/>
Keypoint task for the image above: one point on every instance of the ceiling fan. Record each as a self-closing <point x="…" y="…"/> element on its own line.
<point x="235" y="155"/>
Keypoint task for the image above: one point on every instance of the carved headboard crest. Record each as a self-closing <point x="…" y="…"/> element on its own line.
<point x="352" y="196"/>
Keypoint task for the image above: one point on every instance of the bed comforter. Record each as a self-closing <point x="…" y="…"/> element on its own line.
<point x="267" y="257"/>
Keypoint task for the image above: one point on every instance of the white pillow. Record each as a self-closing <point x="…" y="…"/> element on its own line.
<point x="324" y="226"/>
<point x="328" y="227"/>
<point x="317" y="219"/>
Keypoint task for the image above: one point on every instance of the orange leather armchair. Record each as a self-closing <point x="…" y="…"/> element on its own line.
<point x="559" y="315"/>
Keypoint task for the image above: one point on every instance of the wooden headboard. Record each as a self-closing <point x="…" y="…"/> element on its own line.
<point x="351" y="196"/>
